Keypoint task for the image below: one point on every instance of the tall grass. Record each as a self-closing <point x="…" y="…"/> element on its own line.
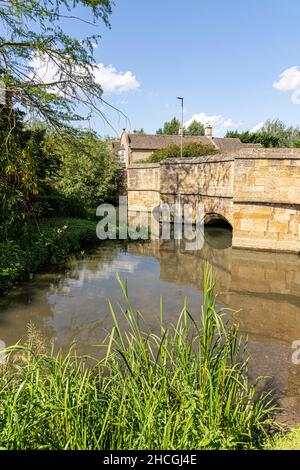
<point x="183" y="388"/>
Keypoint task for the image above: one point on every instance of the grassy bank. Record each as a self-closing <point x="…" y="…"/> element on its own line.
<point x="49" y="241"/>
<point x="184" y="388"/>
<point x="288" y="441"/>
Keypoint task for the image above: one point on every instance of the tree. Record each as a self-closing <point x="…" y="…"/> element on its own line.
<point x="25" y="167"/>
<point x="286" y="135"/>
<point x="274" y="133"/>
<point x="195" y="128"/>
<point x="265" y="139"/>
<point x="173" y="127"/>
<point x="170" y="127"/>
<point x="33" y="39"/>
<point x="90" y="170"/>
<point x="139" y="131"/>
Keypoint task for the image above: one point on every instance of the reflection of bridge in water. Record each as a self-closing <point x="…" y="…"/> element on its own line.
<point x="265" y="286"/>
<point x="70" y="301"/>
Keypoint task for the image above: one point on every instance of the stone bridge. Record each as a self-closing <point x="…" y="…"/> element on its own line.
<point x="257" y="191"/>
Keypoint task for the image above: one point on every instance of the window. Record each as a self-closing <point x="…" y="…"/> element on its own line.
<point x="121" y="154"/>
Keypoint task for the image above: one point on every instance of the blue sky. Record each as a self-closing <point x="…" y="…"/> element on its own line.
<point x="223" y="56"/>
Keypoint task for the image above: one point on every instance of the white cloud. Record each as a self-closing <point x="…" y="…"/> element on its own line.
<point x="257" y="128"/>
<point x="112" y="81"/>
<point x="219" y="122"/>
<point x="229" y="123"/>
<point x="289" y="80"/>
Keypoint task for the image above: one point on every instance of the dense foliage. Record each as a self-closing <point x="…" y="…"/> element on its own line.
<point x="45" y="173"/>
<point x="273" y="134"/>
<point x="185" y="387"/>
<point x="49" y="169"/>
<point x="263" y="138"/>
<point x="24" y="168"/>
<point x="170" y="127"/>
<point x="90" y="170"/>
<point x="190" y="150"/>
<point x="173" y="127"/>
<point x="50" y="241"/>
<point x="195" y="128"/>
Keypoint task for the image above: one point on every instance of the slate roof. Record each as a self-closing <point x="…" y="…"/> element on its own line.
<point x="154" y="142"/>
<point x="228" y="144"/>
<point x="116" y="145"/>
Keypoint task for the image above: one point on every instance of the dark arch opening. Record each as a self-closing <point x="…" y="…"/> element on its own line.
<point x="216" y="220"/>
<point x="218" y="231"/>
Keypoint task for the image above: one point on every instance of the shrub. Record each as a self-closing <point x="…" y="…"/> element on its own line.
<point x="12" y="263"/>
<point x="49" y="241"/>
<point x="296" y="143"/>
<point x="90" y="171"/>
<point x="52" y="203"/>
<point x="190" y="150"/>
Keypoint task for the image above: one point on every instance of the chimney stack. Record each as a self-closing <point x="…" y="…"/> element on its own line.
<point x="208" y="130"/>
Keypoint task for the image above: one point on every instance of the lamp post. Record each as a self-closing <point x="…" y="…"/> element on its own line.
<point x="181" y="129"/>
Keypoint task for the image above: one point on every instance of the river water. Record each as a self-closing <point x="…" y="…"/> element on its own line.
<point x="70" y="301"/>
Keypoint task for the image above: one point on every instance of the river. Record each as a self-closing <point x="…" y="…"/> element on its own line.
<point x="70" y="301"/>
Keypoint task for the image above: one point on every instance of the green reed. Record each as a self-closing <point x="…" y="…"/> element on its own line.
<point x="185" y="387"/>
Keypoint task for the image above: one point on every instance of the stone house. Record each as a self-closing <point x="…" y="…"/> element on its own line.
<point x="133" y="148"/>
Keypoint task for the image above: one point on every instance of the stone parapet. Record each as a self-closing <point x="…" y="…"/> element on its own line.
<point x="263" y="153"/>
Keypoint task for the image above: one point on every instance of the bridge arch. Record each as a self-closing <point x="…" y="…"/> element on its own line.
<point x="218" y="238"/>
<point x="216" y="219"/>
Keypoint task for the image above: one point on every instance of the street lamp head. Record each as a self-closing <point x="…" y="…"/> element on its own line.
<point x="179" y="98"/>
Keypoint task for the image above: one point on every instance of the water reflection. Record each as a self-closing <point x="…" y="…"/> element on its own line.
<point x="71" y="301"/>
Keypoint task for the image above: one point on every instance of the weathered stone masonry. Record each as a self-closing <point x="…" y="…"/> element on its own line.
<point x="256" y="190"/>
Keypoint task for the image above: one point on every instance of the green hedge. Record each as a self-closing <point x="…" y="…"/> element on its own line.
<point x="48" y="241"/>
<point x="189" y="150"/>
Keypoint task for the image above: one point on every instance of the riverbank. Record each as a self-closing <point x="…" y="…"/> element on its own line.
<point x="289" y="441"/>
<point x="48" y="241"/>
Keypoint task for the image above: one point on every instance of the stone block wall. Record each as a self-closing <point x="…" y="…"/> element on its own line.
<point x="267" y="200"/>
<point x="206" y="176"/>
<point x="257" y="191"/>
<point x="139" y="155"/>
<point x="143" y="186"/>
<point x="207" y="181"/>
